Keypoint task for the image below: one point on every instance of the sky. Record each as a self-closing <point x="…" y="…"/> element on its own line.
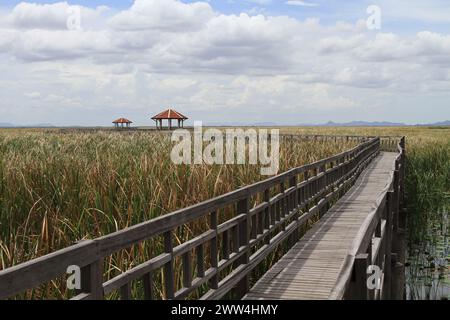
<point x="224" y="62"/>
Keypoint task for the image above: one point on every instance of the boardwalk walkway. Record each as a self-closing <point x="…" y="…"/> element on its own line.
<point x="311" y="269"/>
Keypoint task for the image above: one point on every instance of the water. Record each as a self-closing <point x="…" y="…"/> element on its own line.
<point x="428" y="263"/>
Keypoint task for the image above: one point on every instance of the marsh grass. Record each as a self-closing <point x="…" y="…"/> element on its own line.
<point x="57" y="188"/>
<point x="428" y="191"/>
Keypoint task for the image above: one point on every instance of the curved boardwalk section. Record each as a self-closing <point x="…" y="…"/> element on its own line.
<point x="315" y="265"/>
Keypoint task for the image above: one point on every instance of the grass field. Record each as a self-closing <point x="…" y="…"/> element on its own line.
<point x="57" y="188"/>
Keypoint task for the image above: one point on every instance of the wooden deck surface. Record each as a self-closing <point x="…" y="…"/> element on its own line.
<point x="312" y="267"/>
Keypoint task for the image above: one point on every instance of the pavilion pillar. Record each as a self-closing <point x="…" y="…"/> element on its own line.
<point x="170" y="124"/>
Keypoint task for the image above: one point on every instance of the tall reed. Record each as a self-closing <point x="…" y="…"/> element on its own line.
<point x="57" y="188"/>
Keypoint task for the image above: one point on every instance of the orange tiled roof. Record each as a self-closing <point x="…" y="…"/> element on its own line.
<point x="122" y="120"/>
<point x="170" y="114"/>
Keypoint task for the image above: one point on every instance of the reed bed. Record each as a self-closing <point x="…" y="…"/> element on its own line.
<point x="57" y="188"/>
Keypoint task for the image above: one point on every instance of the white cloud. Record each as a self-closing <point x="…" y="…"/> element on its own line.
<point x="166" y="52"/>
<point x="164" y="15"/>
<point x="52" y="16"/>
<point x="431" y="11"/>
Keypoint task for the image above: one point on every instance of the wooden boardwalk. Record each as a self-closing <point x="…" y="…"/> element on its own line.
<point x="314" y="265"/>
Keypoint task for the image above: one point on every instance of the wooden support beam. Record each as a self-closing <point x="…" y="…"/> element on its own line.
<point x="244" y="237"/>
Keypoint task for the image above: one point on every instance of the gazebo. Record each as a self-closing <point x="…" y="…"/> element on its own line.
<point x="169" y="115"/>
<point x="122" y="123"/>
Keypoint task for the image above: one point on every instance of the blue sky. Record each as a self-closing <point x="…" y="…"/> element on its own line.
<point x="277" y="61"/>
<point x="328" y="11"/>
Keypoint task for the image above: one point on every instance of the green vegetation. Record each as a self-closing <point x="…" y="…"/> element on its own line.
<point x="58" y="187"/>
<point x="428" y="190"/>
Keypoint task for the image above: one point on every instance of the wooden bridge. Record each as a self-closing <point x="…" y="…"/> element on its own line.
<point x="325" y="223"/>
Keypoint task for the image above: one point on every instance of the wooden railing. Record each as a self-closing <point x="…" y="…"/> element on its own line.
<point x="376" y="244"/>
<point x="219" y="262"/>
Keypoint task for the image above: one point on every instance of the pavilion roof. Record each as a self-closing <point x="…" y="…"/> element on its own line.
<point x="122" y="120"/>
<point x="170" y="114"/>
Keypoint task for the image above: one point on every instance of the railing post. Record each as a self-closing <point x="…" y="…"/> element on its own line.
<point x="306" y="188"/>
<point x="294" y="206"/>
<point x="281" y="206"/>
<point x="214" y="254"/>
<point x="266" y="214"/>
<point x="244" y="238"/>
<point x="200" y="261"/>
<point x="316" y="182"/>
<point x="168" y="267"/>
<point x="361" y="264"/>
<point x="148" y="286"/>
<point x="125" y="291"/>
<point x="92" y="280"/>
<point x="187" y="270"/>
<point x="323" y="179"/>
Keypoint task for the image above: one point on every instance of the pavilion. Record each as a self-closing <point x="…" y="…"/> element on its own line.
<point x="169" y="115"/>
<point x="122" y="123"/>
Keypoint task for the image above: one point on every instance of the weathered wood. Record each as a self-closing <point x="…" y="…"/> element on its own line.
<point x="339" y="244"/>
<point x="226" y="245"/>
<point x="214" y="254"/>
<point x="148" y="286"/>
<point x="388" y="262"/>
<point x="92" y="280"/>
<point x="125" y="291"/>
<point x="136" y="272"/>
<point x="200" y="261"/>
<point x="30" y="274"/>
<point x="362" y="261"/>
<point x="168" y="267"/>
<point x="244" y="239"/>
<point x="187" y="270"/>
